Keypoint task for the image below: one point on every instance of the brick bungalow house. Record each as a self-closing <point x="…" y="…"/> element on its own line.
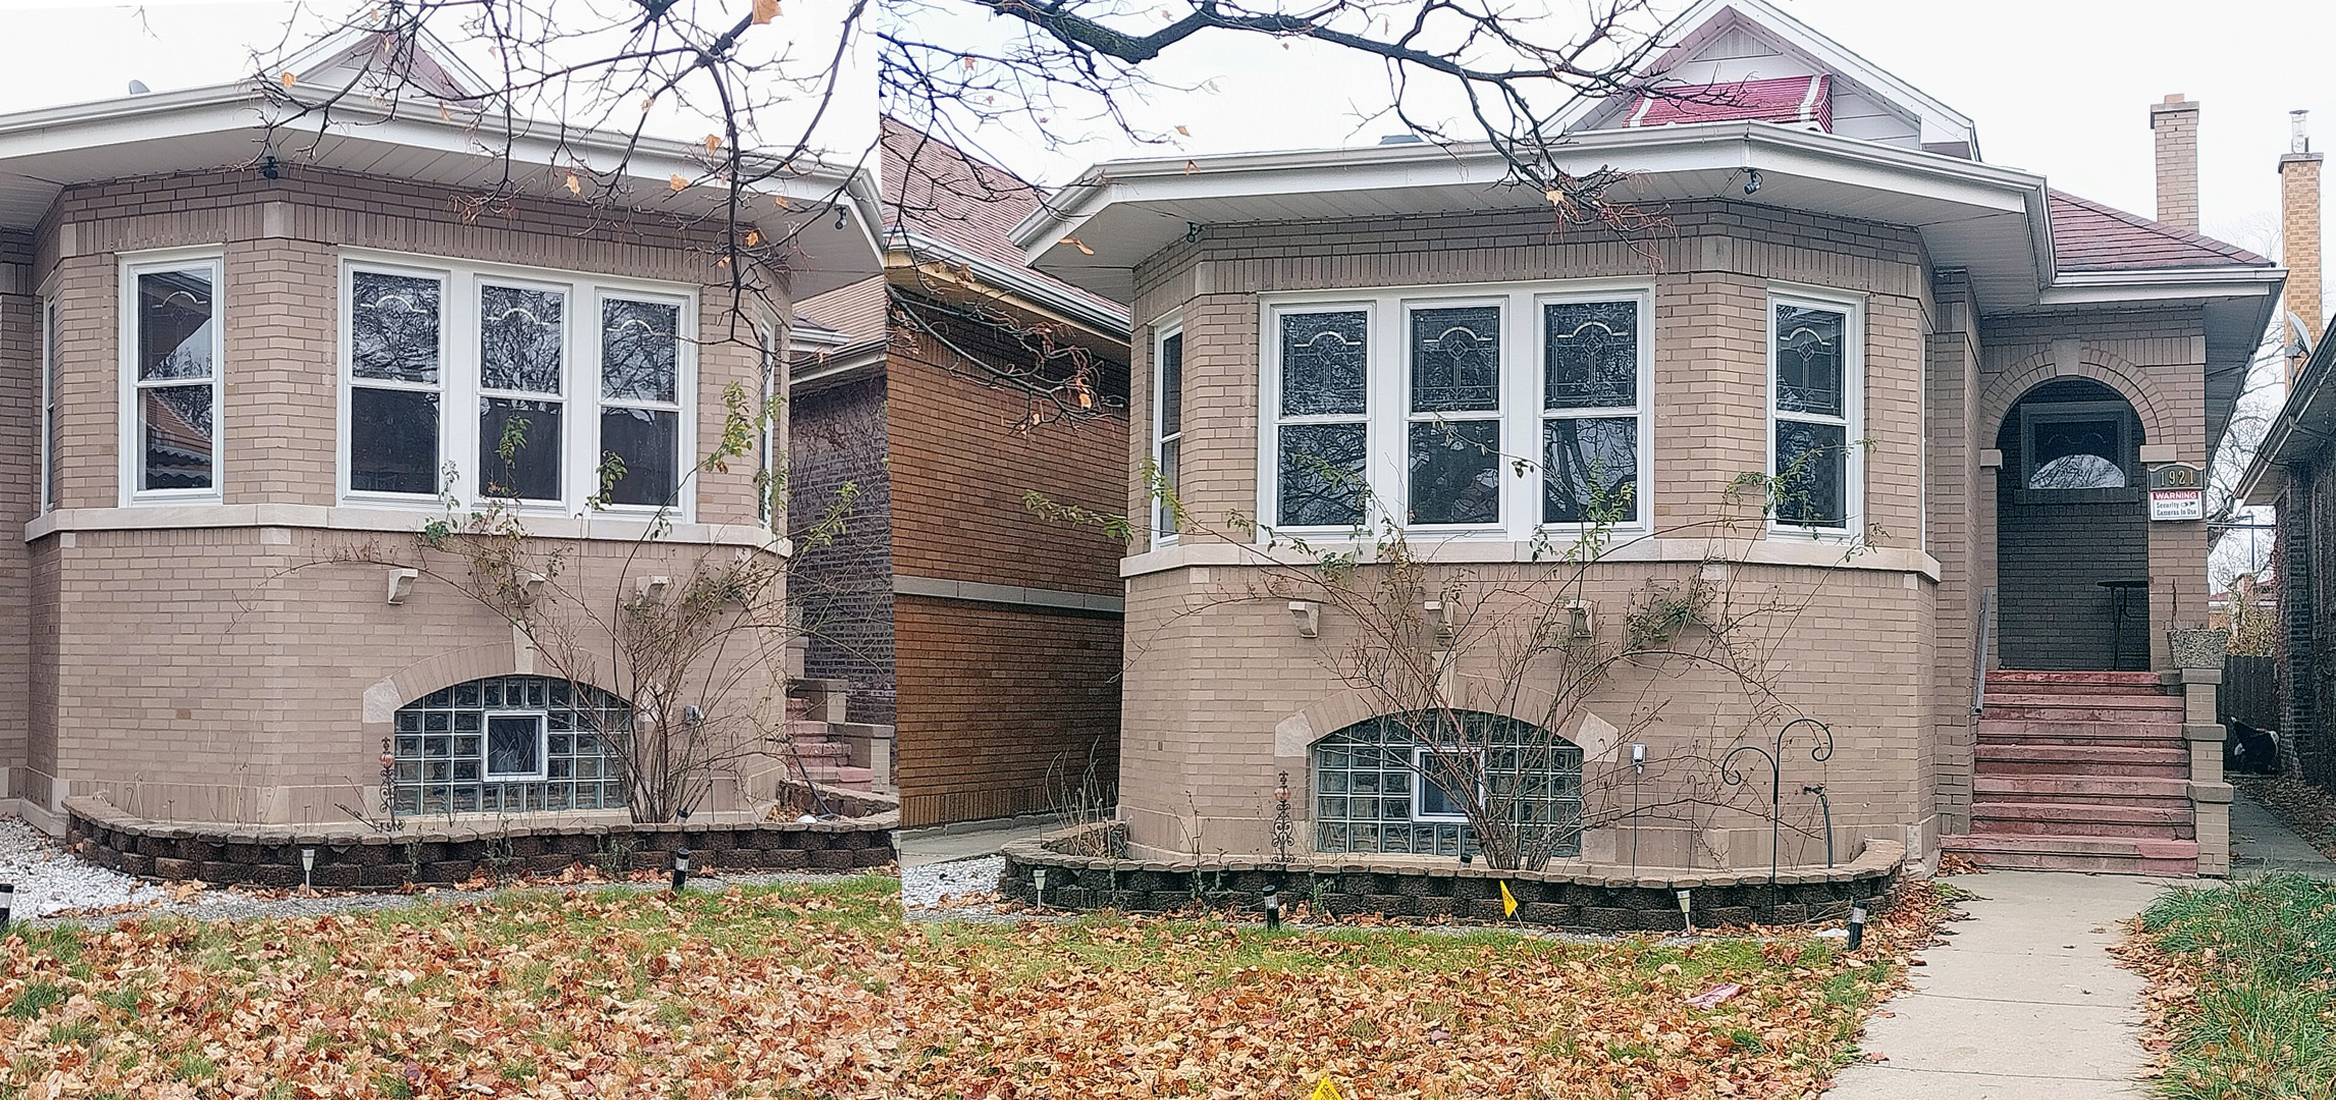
<point x="227" y="386"/>
<point x="1967" y="375"/>
<point x="986" y="634"/>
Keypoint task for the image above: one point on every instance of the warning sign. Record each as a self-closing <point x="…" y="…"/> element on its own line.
<point x="2177" y="492"/>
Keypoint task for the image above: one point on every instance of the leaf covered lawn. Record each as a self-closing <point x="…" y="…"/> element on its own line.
<point x="1108" y="1006"/>
<point x="779" y="992"/>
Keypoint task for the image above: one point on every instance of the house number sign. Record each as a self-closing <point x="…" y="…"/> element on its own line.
<point x="2177" y="492"/>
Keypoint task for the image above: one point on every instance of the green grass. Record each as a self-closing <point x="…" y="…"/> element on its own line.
<point x="2263" y="954"/>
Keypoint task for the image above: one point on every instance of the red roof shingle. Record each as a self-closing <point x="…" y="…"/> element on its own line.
<point x="934" y="189"/>
<point x="2087" y="236"/>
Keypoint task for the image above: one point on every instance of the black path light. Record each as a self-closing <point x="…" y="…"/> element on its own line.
<point x="1273" y="906"/>
<point x="680" y="868"/>
<point x="7" y="902"/>
<point x="1734" y="778"/>
<point x="1857" y="923"/>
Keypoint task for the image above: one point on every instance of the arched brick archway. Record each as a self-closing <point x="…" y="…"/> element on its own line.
<point x="2072" y="557"/>
<point x="2080" y="361"/>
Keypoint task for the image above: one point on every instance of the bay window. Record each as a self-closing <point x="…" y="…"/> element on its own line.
<point x="171" y="350"/>
<point x="1471" y="411"/>
<point x="462" y="382"/>
<point x="1814" y="375"/>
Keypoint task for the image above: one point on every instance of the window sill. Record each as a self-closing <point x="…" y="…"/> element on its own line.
<point x="1625" y="548"/>
<point x="622" y="527"/>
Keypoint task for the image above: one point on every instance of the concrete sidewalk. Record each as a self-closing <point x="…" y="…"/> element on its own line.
<point x="2262" y="844"/>
<point x="941" y="845"/>
<point x="2024" y="1001"/>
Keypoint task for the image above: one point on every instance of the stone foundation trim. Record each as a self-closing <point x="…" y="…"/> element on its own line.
<point x="1569" y="896"/>
<point x="399" y="520"/>
<point x="436" y="854"/>
<point x="1802" y="553"/>
<point x="942" y="588"/>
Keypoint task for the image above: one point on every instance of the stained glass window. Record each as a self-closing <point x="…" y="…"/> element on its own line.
<point x="1811" y="357"/>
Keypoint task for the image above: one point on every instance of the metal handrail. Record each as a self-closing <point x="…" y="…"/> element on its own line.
<point x="1979" y="655"/>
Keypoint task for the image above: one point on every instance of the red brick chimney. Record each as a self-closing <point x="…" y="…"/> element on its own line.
<point x="2299" y="225"/>
<point x="2175" y="122"/>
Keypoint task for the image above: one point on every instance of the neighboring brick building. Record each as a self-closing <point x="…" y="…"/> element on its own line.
<point x="1960" y="378"/>
<point x="985" y="632"/>
<point x="236" y="397"/>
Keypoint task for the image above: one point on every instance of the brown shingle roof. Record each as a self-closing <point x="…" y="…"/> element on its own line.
<point x="934" y="189"/>
<point x="857" y="311"/>
<point x="2087" y="236"/>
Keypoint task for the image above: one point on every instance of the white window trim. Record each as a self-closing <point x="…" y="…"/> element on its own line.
<point x="543" y="748"/>
<point x="1387" y="402"/>
<point x="768" y="342"/>
<point x="47" y="304"/>
<point x="1420" y="783"/>
<point x="1853" y="385"/>
<point x="1162" y="330"/>
<point x="565" y="399"/>
<point x="132" y="446"/>
<point x="459" y="381"/>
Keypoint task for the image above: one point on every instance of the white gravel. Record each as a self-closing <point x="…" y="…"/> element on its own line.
<point x="934" y="884"/>
<point x="50" y="882"/>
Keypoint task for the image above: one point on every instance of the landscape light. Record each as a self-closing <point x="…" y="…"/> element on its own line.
<point x="1273" y="907"/>
<point x="1038" y="879"/>
<point x="680" y="868"/>
<point x="1857" y="923"/>
<point x="307" y="868"/>
<point x="1686" y="917"/>
<point x="7" y="901"/>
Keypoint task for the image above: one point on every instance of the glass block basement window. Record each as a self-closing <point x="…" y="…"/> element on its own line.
<point x="1373" y="791"/>
<point x="509" y="744"/>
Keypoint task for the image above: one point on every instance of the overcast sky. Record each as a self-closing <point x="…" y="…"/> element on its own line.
<point x="2060" y="87"/>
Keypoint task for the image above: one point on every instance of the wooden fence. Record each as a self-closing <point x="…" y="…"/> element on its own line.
<point x="2250" y="692"/>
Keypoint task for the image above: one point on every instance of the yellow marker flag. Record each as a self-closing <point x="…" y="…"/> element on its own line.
<point x="1508" y="901"/>
<point x="1326" y="1090"/>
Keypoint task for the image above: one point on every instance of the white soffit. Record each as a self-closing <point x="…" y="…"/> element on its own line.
<point x="1989" y="221"/>
<point x="42" y="152"/>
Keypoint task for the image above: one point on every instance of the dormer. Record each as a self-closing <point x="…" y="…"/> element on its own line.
<point x="1727" y="60"/>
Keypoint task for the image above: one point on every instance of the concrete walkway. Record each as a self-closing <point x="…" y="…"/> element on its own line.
<point x="2262" y="844"/>
<point x="919" y="847"/>
<point x="2024" y="1001"/>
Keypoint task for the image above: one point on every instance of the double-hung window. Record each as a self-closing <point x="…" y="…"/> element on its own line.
<point x="1814" y="375"/>
<point x="1322" y="428"/>
<point x="172" y="349"/>
<point x="544" y="390"/>
<point x="52" y="367"/>
<point x="640" y="400"/>
<point x="1167" y="427"/>
<point x="1470" y="412"/>
<point x="397" y="352"/>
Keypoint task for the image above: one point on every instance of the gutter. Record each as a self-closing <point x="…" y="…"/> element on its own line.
<point x="1021" y="281"/>
<point x="1046" y="225"/>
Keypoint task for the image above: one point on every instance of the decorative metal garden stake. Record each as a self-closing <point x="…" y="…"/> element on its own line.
<point x="1734" y="778"/>
<point x="680" y="868"/>
<point x="7" y="902"/>
<point x="1825" y="804"/>
<point x="1857" y="923"/>
<point x="389" y="783"/>
<point x="308" y="868"/>
<point x="1273" y="908"/>
<point x="1284" y="830"/>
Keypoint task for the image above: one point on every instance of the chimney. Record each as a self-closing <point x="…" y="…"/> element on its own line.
<point x="2299" y="225"/>
<point x="2176" y="124"/>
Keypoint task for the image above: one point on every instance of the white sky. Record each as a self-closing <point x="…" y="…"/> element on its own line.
<point x="2060" y="87"/>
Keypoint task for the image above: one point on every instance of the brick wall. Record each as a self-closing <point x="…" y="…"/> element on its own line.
<point x="1004" y="710"/>
<point x="843" y="589"/>
<point x="998" y="701"/>
<point x="212" y="663"/>
<point x="20" y="448"/>
<point x="2174" y="127"/>
<point x="2307" y="532"/>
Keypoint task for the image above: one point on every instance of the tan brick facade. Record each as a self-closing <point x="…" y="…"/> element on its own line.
<point x="1223" y="694"/>
<point x="226" y="662"/>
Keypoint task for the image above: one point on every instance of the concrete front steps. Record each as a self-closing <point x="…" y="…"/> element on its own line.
<point x="2081" y="771"/>
<point x="824" y="748"/>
